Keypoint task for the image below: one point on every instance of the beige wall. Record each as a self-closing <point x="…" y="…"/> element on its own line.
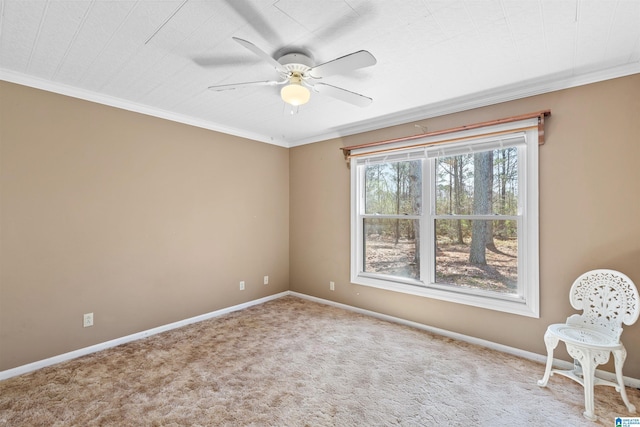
<point x="589" y="213"/>
<point x="144" y="221"/>
<point x="139" y="220"/>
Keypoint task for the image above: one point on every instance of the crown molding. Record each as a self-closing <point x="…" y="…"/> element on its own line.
<point x="550" y="83"/>
<point x="111" y="101"/>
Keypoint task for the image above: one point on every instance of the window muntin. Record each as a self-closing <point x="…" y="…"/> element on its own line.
<point x="428" y="259"/>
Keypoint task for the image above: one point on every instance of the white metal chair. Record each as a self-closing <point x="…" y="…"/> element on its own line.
<point x="608" y="298"/>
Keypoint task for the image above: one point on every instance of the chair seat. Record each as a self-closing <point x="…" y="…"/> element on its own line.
<point x="579" y="335"/>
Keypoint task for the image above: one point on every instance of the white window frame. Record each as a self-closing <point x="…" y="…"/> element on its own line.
<point x="528" y="302"/>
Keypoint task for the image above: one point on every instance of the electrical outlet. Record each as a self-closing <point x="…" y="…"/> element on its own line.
<point x="266" y="280"/>
<point x="332" y="286"/>
<point x="242" y="285"/>
<point x="87" y="320"/>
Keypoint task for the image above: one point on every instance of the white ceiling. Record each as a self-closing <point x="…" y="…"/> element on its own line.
<point x="434" y="57"/>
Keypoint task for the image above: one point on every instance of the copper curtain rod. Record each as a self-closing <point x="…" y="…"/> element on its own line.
<point x="539" y="114"/>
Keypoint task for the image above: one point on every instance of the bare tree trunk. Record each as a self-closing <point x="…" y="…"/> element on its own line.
<point x="503" y="189"/>
<point x="481" y="206"/>
<point x="489" y="243"/>
<point x="415" y="187"/>
<point x="398" y="182"/>
<point x="457" y="177"/>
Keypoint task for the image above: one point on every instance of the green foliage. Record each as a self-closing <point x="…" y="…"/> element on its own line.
<point x="395" y="188"/>
<point x="389" y="189"/>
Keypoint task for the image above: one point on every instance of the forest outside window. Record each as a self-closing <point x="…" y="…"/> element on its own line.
<point x="452" y="218"/>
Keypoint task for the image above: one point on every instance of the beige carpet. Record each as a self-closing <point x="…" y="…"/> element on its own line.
<point x="291" y="362"/>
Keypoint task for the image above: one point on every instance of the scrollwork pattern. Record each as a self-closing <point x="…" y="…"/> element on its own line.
<point x="607" y="299"/>
<point x="596" y="357"/>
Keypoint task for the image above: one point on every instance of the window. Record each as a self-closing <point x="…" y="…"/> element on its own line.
<point x="452" y="217"/>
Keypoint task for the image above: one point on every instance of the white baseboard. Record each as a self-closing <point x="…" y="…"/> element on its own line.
<point x="561" y="364"/>
<point x="133" y="337"/>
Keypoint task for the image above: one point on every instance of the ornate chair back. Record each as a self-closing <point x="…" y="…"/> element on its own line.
<point x="607" y="298"/>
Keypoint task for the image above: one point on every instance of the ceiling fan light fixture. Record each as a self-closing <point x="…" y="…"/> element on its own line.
<point x="294" y="93"/>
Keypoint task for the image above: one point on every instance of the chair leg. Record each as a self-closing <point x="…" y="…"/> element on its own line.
<point x="551" y="342"/>
<point x="619" y="357"/>
<point x="588" y="376"/>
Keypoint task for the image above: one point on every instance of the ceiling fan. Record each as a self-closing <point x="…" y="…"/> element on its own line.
<point x="299" y="76"/>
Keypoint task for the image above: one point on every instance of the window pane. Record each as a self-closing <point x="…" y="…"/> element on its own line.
<point x="391" y="247"/>
<point x="393" y="188"/>
<point x="482" y="183"/>
<point x="490" y="262"/>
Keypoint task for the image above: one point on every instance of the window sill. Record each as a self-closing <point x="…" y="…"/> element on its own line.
<point x="505" y="304"/>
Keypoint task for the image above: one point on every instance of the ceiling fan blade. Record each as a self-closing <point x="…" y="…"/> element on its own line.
<point x="262" y="54"/>
<point x="342" y="94"/>
<point x="223" y="61"/>
<point x="352" y="61"/>
<point x="256" y="18"/>
<point x="231" y="86"/>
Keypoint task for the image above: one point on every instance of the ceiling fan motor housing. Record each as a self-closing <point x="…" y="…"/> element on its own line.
<point x="296" y="62"/>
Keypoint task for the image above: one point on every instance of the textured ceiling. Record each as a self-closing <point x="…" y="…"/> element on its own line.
<point x="434" y="57"/>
